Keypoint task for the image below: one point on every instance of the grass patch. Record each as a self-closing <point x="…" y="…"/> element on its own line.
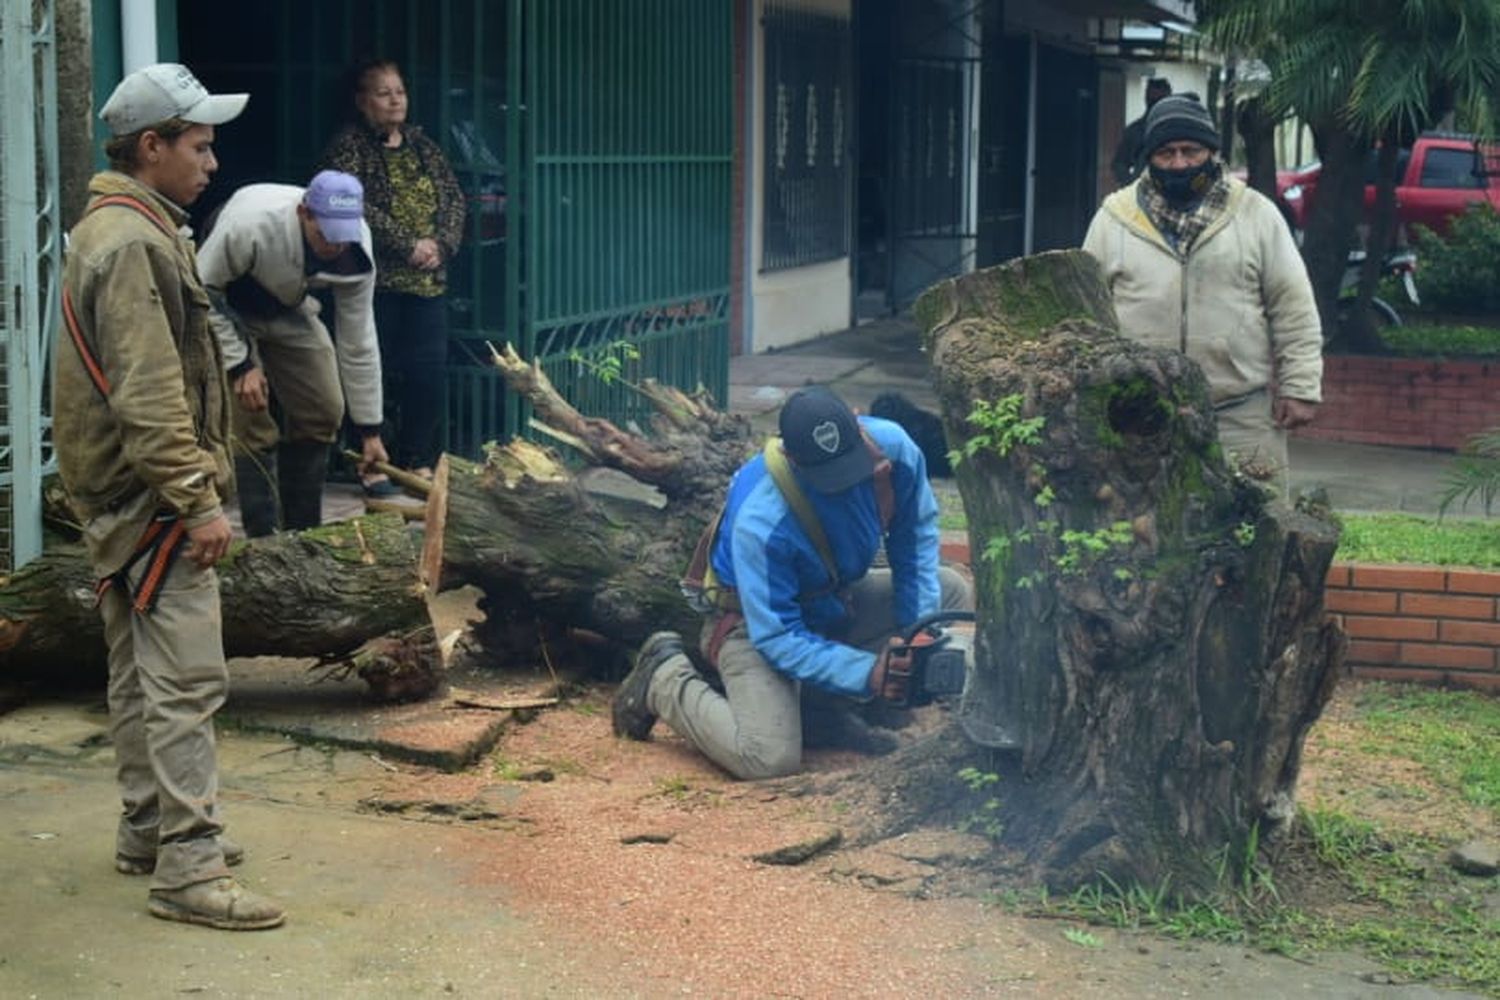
<point x="1382" y="894"/>
<point x="1418" y="918"/>
<point x="950" y="519"/>
<point x="1387" y="538"/>
<point x="1426" y="340"/>
<point x="1341" y="881"/>
<point x="1450" y="733"/>
<point x="1404" y="538"/>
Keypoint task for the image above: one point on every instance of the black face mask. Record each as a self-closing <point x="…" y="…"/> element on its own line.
<point x="1187" y="185"/>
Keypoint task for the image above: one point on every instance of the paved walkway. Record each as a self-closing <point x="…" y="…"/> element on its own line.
<point x="865" y="361"/>
<point x="877" y="357"/>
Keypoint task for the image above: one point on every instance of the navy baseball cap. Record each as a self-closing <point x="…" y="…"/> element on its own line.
<point x="820" y="434"/>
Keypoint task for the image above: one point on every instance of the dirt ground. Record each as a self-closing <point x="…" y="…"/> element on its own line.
<point x="566" y="863"/>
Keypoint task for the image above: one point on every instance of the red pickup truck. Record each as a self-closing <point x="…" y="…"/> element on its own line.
<point x="1441" y="175"/>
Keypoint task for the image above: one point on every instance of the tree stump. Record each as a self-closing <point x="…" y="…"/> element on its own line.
<point x="1151" y="639"/>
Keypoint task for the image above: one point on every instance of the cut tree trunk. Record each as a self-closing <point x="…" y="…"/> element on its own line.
<point x="322" y="593"/>
<point x="1151" y="630"/>
<point x="599" y="551"/>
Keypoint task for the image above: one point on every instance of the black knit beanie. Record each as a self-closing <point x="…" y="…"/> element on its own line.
<point x="1179" y="118"/>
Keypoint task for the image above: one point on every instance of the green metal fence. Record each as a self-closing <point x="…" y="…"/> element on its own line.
<point x="625" y="195"/>
<point x="594" y="139"/>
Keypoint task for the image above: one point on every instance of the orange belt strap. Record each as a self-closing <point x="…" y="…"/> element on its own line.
<point x="161" y="542"/>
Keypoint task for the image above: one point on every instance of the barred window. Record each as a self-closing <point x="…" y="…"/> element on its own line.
<point x="807" y="137"/>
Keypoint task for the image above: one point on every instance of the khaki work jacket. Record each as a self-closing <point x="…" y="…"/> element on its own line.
<point x="161" y="438"/>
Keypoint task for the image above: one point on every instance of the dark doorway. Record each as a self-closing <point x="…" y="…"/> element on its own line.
<point x="1006" y="82"/>
<point x="1067" y="115"/>
<point x="941" y="180"/>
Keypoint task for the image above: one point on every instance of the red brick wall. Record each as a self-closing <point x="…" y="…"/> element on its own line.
<point x="1406" y="402"/>
<point x="1419" y="623"/>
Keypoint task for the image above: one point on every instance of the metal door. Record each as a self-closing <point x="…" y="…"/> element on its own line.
<point x="30" y="269"/>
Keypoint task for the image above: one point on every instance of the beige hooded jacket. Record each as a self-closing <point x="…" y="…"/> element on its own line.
<point x="1239" y="303"/>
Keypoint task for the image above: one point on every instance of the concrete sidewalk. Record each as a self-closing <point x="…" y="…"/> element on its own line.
<point x="867" y="360"/>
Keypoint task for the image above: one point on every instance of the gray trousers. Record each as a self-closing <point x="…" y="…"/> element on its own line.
<point x="1247" y="432"/>
<point x="166" y="680"/>
<point x="298" y="358"/>
<point x="754" y="729"/>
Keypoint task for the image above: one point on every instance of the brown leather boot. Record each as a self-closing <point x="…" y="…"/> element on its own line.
<point x="219" y="902"/>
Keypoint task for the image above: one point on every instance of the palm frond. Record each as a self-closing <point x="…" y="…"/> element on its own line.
<point x="1476" y="473"/>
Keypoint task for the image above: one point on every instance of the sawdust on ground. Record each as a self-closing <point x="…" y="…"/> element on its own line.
<point x="643" y="853"/>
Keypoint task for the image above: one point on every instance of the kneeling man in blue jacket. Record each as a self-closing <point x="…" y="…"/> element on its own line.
<point x="784" y="607"/>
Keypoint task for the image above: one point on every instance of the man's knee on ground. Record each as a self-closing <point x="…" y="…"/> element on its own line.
<point x="762" y="758"/>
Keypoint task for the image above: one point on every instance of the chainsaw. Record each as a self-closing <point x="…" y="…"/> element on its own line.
<point x="941" y="649"/>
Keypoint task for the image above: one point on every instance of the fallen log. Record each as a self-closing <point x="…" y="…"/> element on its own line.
<point x="322" y="593"/>
<point x="603" y="554"/>
<point x="1152" y="645"/>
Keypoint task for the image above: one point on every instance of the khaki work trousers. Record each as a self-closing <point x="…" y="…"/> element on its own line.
<point x="754" y="729"/>
<point x="297" y="356"/>
<point x="1248" y="432"/>
<point x="166" y="680"/>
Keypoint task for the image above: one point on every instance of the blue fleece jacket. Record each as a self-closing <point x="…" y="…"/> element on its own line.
<point x="791" y="611"/>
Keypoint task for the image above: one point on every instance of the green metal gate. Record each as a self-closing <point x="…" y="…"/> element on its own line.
<point x="627" y="199"/>
<point x="594" y="139"/>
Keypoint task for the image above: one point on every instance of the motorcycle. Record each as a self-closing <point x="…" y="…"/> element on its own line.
<point x="1400" y="263"/>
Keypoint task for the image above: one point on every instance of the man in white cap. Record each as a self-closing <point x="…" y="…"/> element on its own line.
<point x="267" y="249"/>
<point x="141" y="426"/>
<point x="1198" y="262"/>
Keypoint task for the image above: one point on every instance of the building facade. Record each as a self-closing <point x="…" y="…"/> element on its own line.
<point x="667" y="182"/>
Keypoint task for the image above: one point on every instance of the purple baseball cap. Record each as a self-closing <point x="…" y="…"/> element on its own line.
<point x="337" y="203"/>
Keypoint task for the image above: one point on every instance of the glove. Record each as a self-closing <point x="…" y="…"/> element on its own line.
<point x="891" y="675"/>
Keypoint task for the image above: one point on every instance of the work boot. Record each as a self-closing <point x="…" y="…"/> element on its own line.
<point x="219" y="902"/>
<point x="303" y="468"/>
<point x="255" y="484"/>
<point x="631" y="710"/>
<point x="126" y="865"/>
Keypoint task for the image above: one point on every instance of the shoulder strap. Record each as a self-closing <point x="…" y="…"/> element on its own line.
<point x="70" y="318"/>
<point x="786" y="481"/>
<point x="85" y="353"/>
<point x="885" y="493"/>
<point x="131" y="201"/>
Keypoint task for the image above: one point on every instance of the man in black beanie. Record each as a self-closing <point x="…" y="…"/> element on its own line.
<point x="1200" y="263"/>
<point x="1131" y="150"/>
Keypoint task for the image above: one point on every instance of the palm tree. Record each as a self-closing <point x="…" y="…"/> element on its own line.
<point x="1362" y="72"/>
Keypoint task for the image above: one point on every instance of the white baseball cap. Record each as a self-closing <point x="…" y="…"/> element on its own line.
<point x="156" y="93"/>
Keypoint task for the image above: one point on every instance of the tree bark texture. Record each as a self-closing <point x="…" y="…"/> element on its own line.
<point x="321" y="593"/>
<point x="1151" y="630"/>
